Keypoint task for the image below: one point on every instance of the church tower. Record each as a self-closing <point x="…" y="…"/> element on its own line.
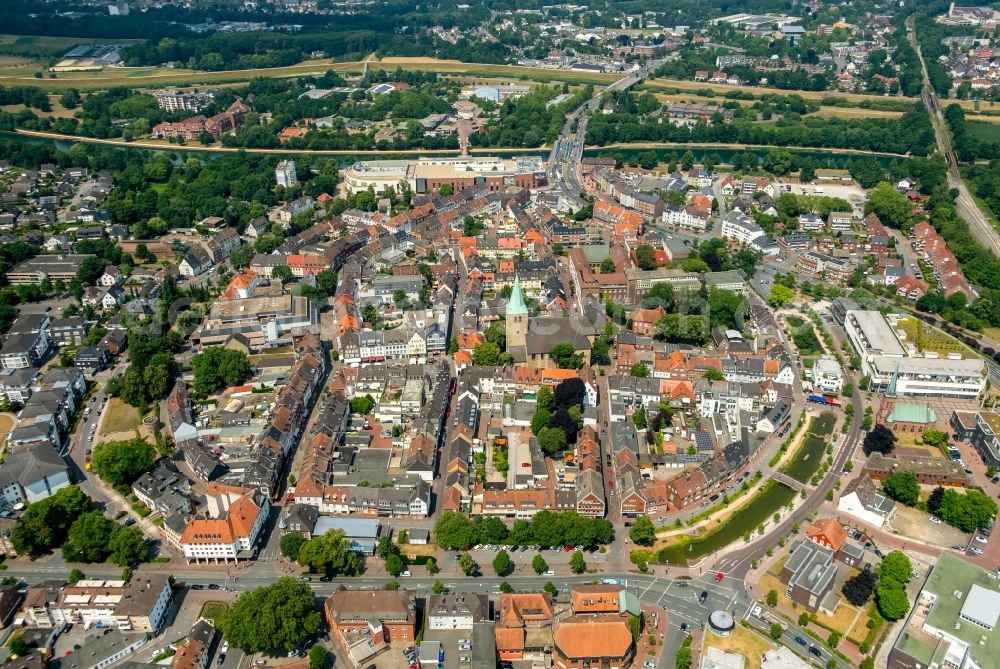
<point x="517" y="318"/>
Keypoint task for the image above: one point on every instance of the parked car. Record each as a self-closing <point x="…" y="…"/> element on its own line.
<point x="649" y="664"/>
<point x="936" y="520"/>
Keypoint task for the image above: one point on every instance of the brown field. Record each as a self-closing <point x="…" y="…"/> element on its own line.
<point x="742" y="641"/>
<point x="15" y="61"/>
<point x="662" y="84"/>
<point x="855" y="112"/>
<point x="58" y="111"/>
<point x="992" y="118"/>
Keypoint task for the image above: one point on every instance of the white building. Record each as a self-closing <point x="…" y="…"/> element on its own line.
<point x="827" y="375"/>
<point x="885" y="361"/>
<point x="458" y="611"/>
<point x="285" y="175"/>
<point x="740" y="227"/>
<point x="231" y="537"/>
<point x="862" y="500"/>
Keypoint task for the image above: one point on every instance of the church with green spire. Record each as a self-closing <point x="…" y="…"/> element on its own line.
<point x="546" y="332"/>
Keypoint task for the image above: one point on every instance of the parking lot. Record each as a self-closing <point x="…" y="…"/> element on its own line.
<point x="557" y="559"/>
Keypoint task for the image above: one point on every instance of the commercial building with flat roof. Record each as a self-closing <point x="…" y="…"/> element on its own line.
<point x="870" y="334"/>
<point x="953" y="621"/>
<point x="34" y="270"/>
<point x="264" y="321"/>
<point x="429" y="174"/>
<point x="361" y="533"/>
<point x="902" y="373"/>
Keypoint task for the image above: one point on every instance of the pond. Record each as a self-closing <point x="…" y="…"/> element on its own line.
<point x="749" y="517"/>
<point x="811" y="453"/>
<point x="762" y="507"/>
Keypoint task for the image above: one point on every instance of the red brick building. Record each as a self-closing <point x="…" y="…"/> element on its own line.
<point x="363" y="621"/>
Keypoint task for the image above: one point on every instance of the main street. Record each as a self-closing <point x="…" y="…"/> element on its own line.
<point x="677" y="596"/>
<point x="567" y="151"/>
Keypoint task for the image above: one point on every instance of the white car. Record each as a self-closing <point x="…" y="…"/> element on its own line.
<point x="406" y="573"/>
<point x="463" y="642"/>
<point x="465" y="646"/>
<point x="756" y="611"/>
<point x="549" y="572"/>
<point x="649" y="664"/>
<point x="981" y="539"/>
<point x="936" y="520"/>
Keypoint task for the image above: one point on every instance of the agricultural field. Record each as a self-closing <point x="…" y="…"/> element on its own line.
<point x="988" y="131"/>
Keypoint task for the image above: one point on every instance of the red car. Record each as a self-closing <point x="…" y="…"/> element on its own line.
<point x="719" y="576"/>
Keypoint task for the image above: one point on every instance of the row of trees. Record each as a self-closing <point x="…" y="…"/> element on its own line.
<point x="911" y="133"/>
<point x="68" y="519"/>
<point x="887" y="583"/>
<point x="547" y="528"/>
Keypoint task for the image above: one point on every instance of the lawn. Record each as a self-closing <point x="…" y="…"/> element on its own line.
<point x="927" y="338"/>
<point x="742" y="641"/>
<point x="120" y="417"/>
<point x="987" y="132"/>
<point x="213" y="610"/>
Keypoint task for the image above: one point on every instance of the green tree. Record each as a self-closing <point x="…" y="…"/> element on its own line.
<point x="645" y="257"/>
<point x="682" y="660"/>
<point x="968" y="512"/>
<point x="639" y="417"/>
<point x="45" y="523"/>
<point x="902" y="487"/>
<point x="502" y="564"/>
<point x="88" y="538"/>
<point x="608" y="266"/>
<point x="890" y="597"/>
<point x="318" y="657"/>
<point x="540" y="420"/>
<point x="780" y="296"/>
<point x="539" y="564"/>
<point x="290" y="544"/>
<point x="120" y="463"/>
<point x="394" y="564"/>
<point x="282" y="273"/>
<point x="362" y="405"/>
<point x="75" y="576"/>
<point x="639" y="371"/>
<point x="778" y="161"/>
<point x="772" y="597"/>
<point x="446" y="190"/>
<point x="506" y="587"/>
<point x="280" y="616"/>
<point x="453" y="531"/>
<point x="128" y="547"/>
<point x="468" y="565"/>
<point x="565" y="356"/>
<point x="216" y="367"/>
<point x="776" y="631"/>
<point x="438" y="587"/>
<point x="642" y="531"/>
<point x="330" y="554"/>
<point x="577" y="563"/>
<point x="552" y="440"/>
<point x="891" y="206"/>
